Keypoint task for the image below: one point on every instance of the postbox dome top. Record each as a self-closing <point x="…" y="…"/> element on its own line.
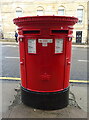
<point x="66" y="20"/>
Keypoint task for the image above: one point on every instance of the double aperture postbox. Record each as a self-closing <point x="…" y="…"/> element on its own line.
<point x="45" y="58"/>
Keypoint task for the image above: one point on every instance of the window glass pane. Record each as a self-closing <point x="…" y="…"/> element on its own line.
<point x="61" y="12"/>
<point x="40" y="12"/>
<point x="18" y="13"/>
<point x="80" y="15"/>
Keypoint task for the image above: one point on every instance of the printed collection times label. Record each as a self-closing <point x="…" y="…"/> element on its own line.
<point x="31" y="45"/>
<point x="58" y="45"/>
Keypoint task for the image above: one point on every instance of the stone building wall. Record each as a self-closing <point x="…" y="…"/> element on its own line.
<point x="49" y="7"/>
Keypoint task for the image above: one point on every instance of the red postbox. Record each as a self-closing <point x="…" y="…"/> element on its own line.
<point x="45" y="58"/>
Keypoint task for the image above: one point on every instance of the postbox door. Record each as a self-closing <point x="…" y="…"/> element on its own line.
<point x="67" y="61"/>
<point x="45" y="63"/>
<point x="22" y="61"/>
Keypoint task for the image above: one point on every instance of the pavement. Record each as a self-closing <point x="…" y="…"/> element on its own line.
<point x="12" y="106"/>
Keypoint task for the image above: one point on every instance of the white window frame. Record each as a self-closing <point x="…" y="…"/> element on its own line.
<point x="19" y="12"/>
<point x="80" y="17"/>
<point x="40" y="11"/>
<point x="60" y="10"/>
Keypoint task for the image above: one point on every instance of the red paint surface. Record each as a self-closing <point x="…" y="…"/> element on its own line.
<point x="45" y="71"/>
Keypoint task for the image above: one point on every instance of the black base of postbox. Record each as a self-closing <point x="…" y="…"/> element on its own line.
<point x="45" y="100"/>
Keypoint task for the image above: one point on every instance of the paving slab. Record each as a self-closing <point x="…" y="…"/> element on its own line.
<point x="80" y="94"/>
<point x="75" y="109"/>
<point x="23" y="111"/>
<point x="8" y="94"/>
